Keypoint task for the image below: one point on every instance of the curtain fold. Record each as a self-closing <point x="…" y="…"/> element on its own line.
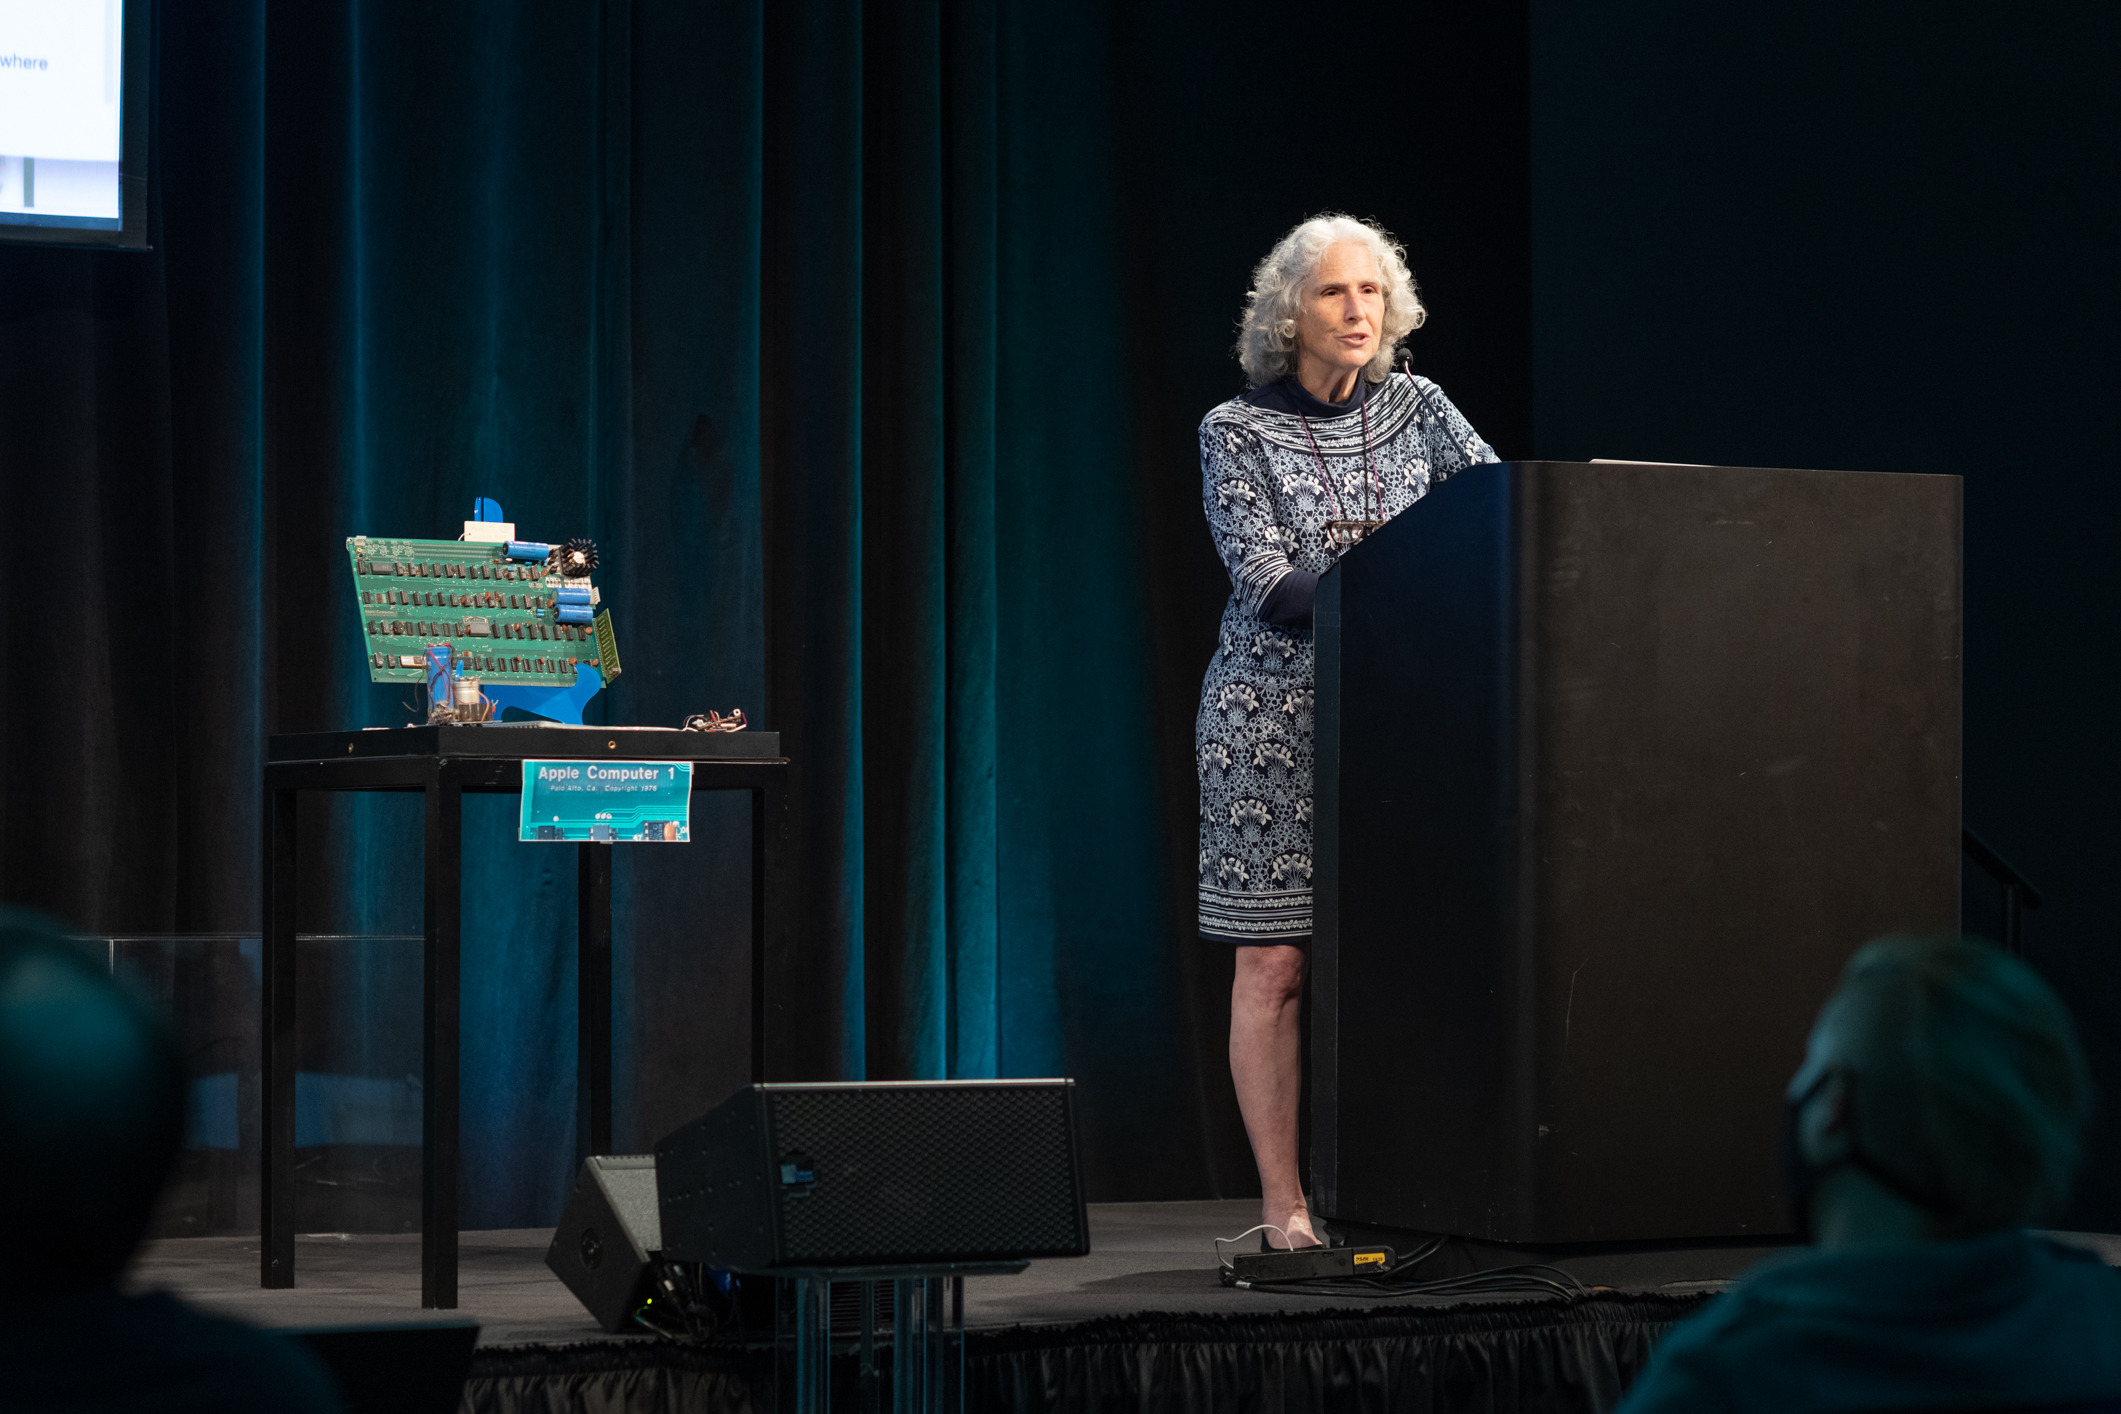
<point x="131" y="479"/>
<point x="686" y="543"/>
<point x="881" y="219"/>
<point x="906" y="708"/>
<point x="988" y="861"/>
<point x="209" y="173"/>
<point x="811" y="325"/>
<point x="971" y="234"/>
<point x="1093" y="919"/>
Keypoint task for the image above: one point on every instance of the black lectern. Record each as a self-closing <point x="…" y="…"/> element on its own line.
<point x="1617" y="764"/>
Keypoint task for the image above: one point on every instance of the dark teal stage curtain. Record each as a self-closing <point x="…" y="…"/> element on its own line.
<point x="868" y="341"/>
<point x="1005" y="246"/>
<point x="956" y="549"/>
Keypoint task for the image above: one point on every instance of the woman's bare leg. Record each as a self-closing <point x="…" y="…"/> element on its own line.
<point x="1267" y="1066"/>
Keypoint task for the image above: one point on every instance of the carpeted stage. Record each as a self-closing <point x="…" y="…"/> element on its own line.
<point x="1141" y="1323"/>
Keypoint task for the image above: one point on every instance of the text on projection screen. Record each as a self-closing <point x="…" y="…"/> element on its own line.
<point x="60" y="95"/>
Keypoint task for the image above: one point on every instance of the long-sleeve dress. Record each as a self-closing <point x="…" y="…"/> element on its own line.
<point x="1267" y="508"/>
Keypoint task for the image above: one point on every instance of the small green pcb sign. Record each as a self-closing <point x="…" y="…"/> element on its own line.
<point x="607" y="800"/>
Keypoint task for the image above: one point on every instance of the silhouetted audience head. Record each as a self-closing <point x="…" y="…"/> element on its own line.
<point x="1947" y="1073"/>
<point x="92" y="1097"/>
<point x="1938" y="1115"/>
<point x="91" y="1111"/>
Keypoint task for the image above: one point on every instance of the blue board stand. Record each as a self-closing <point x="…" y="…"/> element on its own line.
<point x="554" y="704"/>
<point x="563" y="704"/>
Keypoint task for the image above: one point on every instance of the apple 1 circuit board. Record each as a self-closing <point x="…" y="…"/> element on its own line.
<point x="500" y="611"/>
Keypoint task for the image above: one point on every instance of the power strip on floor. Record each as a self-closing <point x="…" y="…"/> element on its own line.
<point x="1309" y="1264"/>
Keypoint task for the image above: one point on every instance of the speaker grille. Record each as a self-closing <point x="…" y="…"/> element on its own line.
<point x="629" y="1186"/>
<point x="956" y="1173"/>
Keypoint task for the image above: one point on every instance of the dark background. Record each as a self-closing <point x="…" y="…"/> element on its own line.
<point x="1878" y="237"/>
<point x="870" y="342"/>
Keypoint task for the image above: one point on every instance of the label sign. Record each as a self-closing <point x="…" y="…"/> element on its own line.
<point x="615" y="801"/>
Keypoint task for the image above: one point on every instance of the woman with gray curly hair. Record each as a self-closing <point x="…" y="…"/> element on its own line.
<point x="1327" y="442"/>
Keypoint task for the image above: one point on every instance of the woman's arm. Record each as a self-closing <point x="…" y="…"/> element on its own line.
<point x="1251" y="543"/>
<point x="1289" y="603"/>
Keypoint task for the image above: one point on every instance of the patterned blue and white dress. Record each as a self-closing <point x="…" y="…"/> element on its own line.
<point x="1267" y="510"/>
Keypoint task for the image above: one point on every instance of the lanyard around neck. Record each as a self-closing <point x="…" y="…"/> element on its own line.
<point x="1368" y="464"/>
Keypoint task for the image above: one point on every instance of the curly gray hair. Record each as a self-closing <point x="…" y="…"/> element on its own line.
<point x="1266" y="338"/>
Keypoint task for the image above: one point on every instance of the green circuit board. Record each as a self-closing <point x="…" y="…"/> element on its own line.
<point x="498" y="614"/>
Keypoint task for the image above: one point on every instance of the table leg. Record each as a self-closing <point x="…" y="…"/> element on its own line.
<point x="592" y="1086"/>
<point x="277" y="1035"/>
<point x="871" y="1390"/>
<point x="813" y="1345"/>
<point x="772" y="909"/>
<point x="953" y="1381"/>
<point x="440" y="1019"/>
<point x="909" y="1345"/>
<point x="760" y="850"/>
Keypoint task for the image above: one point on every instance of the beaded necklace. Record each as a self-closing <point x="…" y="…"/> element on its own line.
<point x="1344" y="532"/>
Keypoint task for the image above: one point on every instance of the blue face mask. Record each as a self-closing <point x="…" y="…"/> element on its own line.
<point x="1801" y="1177"/>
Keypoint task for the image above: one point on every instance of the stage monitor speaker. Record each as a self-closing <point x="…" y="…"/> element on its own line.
<point x="884" y="1174"/>
<point x="605" y="1248"/>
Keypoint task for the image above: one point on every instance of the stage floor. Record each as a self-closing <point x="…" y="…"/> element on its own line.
<point x="1143" y="1257"/>
<point x="1140" y="1323"/>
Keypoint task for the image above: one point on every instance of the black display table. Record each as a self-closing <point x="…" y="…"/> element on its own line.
<point x="443" y="762"/>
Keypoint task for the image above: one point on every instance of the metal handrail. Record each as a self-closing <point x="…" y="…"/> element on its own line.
<point x="2018" y="891"/>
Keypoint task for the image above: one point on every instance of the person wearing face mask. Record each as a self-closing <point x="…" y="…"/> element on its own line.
<point x="1937" y="1116"/>
<point x="92" y="1105"/>
<point x="1326" y="442"/>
